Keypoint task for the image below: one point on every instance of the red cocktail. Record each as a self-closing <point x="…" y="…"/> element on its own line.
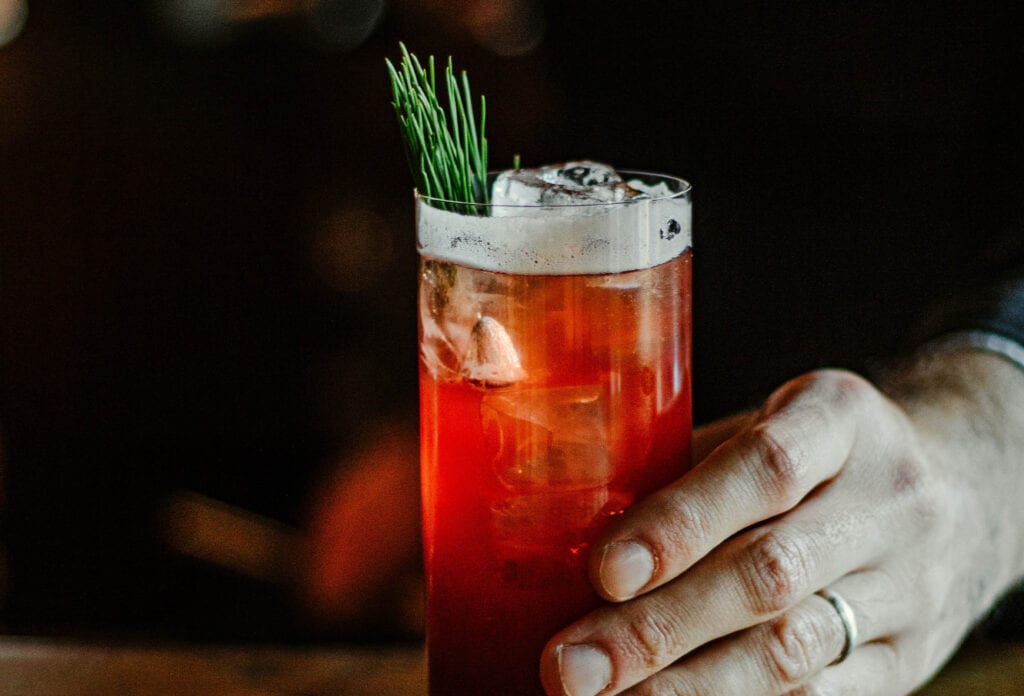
<point x="550" y="402"/>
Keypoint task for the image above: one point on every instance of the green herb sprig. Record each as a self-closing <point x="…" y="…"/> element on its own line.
<point x="447" y="153"/>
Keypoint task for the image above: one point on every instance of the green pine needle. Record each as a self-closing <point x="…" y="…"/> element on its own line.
<point x="446" y="152"/>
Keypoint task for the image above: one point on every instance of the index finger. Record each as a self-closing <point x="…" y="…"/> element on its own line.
<point x="707" y="438"/>
<point x="802" y="439"/>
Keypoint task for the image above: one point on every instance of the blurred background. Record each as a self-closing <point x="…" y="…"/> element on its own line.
<point x="207" y="259"/>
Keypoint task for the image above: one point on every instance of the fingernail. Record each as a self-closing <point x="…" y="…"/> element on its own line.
<point x="584" y="669"/>
<point x="626" y="567"/>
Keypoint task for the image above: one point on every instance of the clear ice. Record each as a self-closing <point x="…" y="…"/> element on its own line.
<point x="561" y="184"/>
<point x="549" y="438"/>
<point x="459" y="338"/>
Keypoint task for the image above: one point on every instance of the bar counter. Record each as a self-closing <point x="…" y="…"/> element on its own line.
<point x="45" y="667"/>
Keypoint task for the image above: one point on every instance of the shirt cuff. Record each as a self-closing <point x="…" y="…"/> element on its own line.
<point x="987" y="341"/>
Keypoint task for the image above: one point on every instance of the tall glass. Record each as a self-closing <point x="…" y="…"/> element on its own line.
<point x="554" y="392"/>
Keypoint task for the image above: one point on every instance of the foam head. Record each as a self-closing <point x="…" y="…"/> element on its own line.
<point x="567" y="219"/>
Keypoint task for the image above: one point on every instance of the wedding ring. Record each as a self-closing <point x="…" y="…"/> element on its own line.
<point x="846" y="616"/>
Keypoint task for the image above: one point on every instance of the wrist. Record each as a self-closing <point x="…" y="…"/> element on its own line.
<point x="967" y="409"/>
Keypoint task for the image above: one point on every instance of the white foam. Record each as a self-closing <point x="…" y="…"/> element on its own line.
<point x="534" y="240"/>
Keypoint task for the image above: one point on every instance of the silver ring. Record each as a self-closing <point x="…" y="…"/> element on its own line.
<point x="846" y="616"/>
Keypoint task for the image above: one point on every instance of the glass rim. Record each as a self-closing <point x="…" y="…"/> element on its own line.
<point x="684" y="189"/>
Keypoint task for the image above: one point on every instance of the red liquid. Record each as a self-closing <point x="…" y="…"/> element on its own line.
<point x="518" y="479"/>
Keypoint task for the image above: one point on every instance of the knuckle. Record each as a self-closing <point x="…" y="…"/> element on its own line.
<point x="794" y="648"/>
<point x="842" y="387"/>
<point x="927" y="501"/>
<point x="925" y="590"/>
<point x="890" y="659"/>
<point x="685" y="526"/>
<point x="923" y="494"/>
<point x="838" y="388"/>
<point x="651" y="638"/>
<point x="780" y="471"/>
<point x="916" y="654"/>
<point x="908" y="474"/>
<point x="776" y="573"/>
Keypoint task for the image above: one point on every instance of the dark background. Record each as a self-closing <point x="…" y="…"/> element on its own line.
<point x="207" y="262"/>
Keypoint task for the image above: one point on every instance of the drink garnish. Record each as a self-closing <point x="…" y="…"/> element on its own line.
<point x="446" y="151"/>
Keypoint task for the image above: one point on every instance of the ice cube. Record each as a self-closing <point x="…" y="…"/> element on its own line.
<point x="545" y="518"/>
<point x="560" y="184"/>
<point x="436" y="349"/>
<point x="441" y="344"/>
<point x="452" y="301"/>
<point x="658" y="190"/>
<point x="544" y="438"/>
<point x="585" y="174"/>
<point x="526" y="525"/>
<point x="491" y="358"/>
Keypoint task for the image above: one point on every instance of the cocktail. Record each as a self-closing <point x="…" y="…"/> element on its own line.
<point x="554" y="338"/>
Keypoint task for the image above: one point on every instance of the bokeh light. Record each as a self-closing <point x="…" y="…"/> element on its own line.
<point x="13" y="15"/>
<point x="512" y="28"/>
<point x="329" y="25"/>
<point x="343" y="24"/>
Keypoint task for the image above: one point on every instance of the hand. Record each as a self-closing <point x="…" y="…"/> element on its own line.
<point x="893" y="504"/>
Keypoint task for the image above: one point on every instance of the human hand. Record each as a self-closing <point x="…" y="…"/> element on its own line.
<point x="893" y="504"/>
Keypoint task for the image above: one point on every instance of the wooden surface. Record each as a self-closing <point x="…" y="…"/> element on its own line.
<point x="33" y="667"/>
<point x="38" y="668"/>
